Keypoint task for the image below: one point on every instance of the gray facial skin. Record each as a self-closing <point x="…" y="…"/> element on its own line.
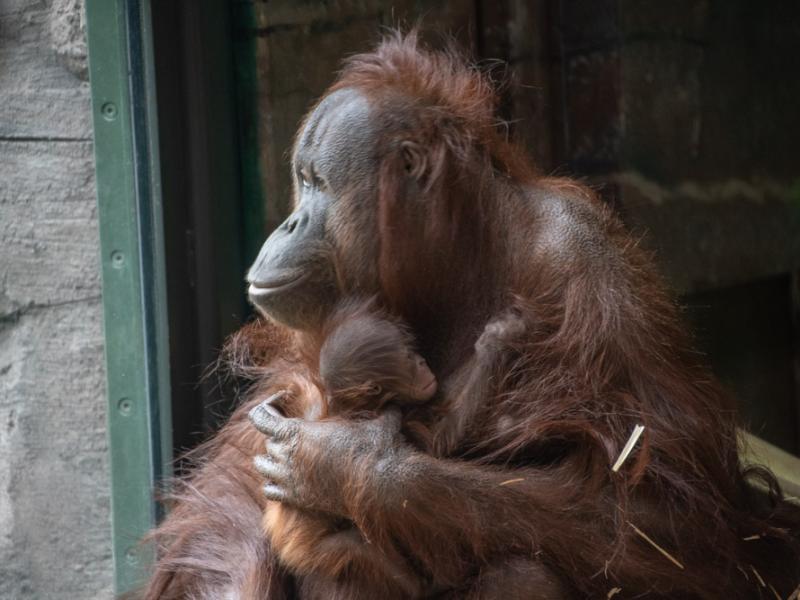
<point x="293" y="279"/>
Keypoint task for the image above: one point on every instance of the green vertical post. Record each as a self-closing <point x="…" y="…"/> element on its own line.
<point x="134" y="298"/>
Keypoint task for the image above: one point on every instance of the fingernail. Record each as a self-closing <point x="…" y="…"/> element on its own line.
<point x="253" y="414"/>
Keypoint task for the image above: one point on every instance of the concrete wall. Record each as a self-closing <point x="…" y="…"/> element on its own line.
<point x="54" y="493"/>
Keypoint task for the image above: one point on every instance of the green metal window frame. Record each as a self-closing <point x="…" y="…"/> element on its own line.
<point x="134" y="298"/>
<point x="176" y="160"/>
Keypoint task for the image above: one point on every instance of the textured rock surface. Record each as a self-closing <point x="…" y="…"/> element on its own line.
<point x="54" y="496"/>
<point x="39" y="96"/>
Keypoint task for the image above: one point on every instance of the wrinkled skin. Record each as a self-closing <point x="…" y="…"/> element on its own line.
<point x="423" y="381"/>
<point x="292" y="280"/>
<point x="375" y="440"/>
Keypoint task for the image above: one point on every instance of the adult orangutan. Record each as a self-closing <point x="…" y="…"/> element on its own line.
<point x="405" y="190"/>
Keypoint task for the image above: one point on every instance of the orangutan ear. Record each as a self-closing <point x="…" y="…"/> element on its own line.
<point x="414" y="159"/>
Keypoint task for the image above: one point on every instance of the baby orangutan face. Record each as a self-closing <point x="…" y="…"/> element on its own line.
<point x="421" y="381"/>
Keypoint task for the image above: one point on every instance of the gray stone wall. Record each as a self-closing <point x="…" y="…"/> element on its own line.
<point x="55" y="539"/>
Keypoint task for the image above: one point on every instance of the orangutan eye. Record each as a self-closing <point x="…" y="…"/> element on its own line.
<point x="309" y="178"/>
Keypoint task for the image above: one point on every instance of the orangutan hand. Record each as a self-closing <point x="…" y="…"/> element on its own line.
<point x="308" y="464"/>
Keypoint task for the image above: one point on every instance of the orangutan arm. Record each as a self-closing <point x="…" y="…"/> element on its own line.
<point x="468" y="389"/>
<point x="447" y="514"/>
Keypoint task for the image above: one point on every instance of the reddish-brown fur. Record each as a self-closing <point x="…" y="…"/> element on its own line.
<point x="353" y="369"/>
<point x="603" y="350"/>
<point x="363" y="361"/>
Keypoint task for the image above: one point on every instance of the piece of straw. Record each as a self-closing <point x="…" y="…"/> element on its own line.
<point x="750" y="538"/>
<point x="758" y="576"/>
<point x="623" y="456"/>
<point x="613" y="592"/>
<point x="656" y="546"/>
<point x="508" y="481"/>
<point x="795" y="594"/>
<point x="775" y="592"/>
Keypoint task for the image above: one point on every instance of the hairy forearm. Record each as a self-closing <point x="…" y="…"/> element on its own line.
<point x="453" y="514"/>
<point x="463" y="395"/>
<point x="470" y="387"/>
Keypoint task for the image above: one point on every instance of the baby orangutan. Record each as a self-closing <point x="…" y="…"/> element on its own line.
<point x="366" y="362"/>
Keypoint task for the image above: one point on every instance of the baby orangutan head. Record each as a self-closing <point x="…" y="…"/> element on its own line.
<point x="368" y="361"/>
